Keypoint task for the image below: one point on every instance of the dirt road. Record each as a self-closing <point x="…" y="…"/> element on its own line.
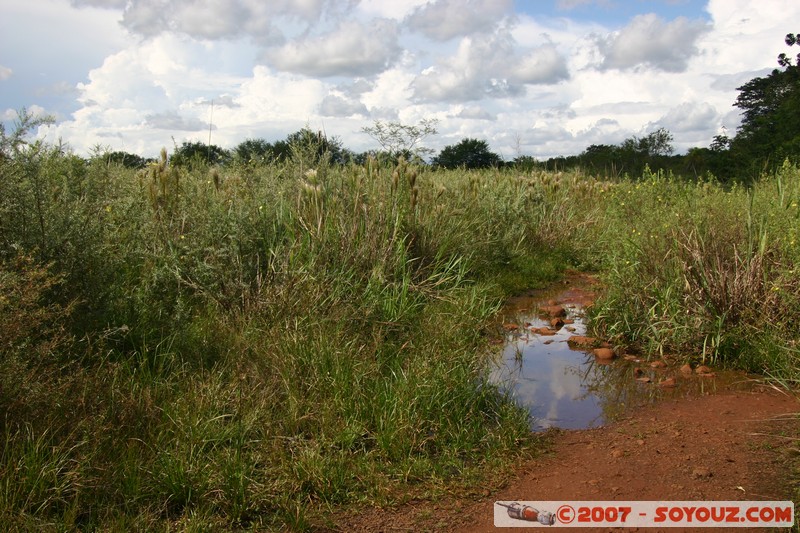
<point x="729" y="446"/>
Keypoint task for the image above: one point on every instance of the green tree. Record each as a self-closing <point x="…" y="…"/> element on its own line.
<point x="125" y="159"/>
<point x="602" y="160"/>
<point x="402" y="140"/>
<point x="770" y="105"/>
<point x="198" y="153"/>
<point x="26" y="122"/>
<point x="312" y="147"/>
<point x="253" y="151"/>
<point x="469" y="153"/>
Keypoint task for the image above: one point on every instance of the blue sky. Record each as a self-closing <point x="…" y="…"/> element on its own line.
<point x="612" y="13"/>
<point x="537" y="78"/>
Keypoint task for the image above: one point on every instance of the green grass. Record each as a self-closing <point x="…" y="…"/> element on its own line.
<point x="255" y="346"/>
<point x="261" y="346"/>
<point x="704" y="272"/>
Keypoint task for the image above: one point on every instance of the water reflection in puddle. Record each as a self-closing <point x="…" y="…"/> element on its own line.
<point x="571" y="389"/>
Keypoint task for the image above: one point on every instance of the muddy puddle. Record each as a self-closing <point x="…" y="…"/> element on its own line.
<point x="567" y="386"/>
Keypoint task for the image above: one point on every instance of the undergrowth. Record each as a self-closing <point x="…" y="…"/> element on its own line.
<point x="256" y="345"/>
<point x="704" y="272"/>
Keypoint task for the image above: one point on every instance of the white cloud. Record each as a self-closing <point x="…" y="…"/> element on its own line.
<point x="540" y="85"/>
<point x="352" y="49"/>
<point x="474" y="113"/>
<point x="217" y="19"/>
<point x="541" y="65"/>
<point x="445" y="19"/>
<point x="108" y="4"/>
<point x="171" y="120"/>
<point x="650" y="41"/>
<point x="489" y="67"/>
<point x="689" y="117"/>
<point x="396" y="9"/>
<point x="337" y="106"/>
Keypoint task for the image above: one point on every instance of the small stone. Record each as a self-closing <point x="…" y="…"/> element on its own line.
<point x="545" y="332"/>
<point x="633" y="358"/>
<point x="556" y="323"/>
<point x="638" y="372"/>
<point x="604" y="353"/>
<point x="644" y="379"/>
<point x="616" y="454"/>
<point x="640" y="442"/>
<point x="510" y="327"/>
<point x="701" y="472"/>
<point x="548" y="341"/>
<point x="554" y="311"/>
<point x="667" y="383"/>
<point x="581" y="341"/>
<point x="568" y="321"/>
<point x="686" y="369"/>
<point x="571" y="329"/>
<point x="658" y="364"/>
<point x="703" y="369"/>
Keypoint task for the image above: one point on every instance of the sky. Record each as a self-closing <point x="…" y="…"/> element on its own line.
<point x="540" y="78"/>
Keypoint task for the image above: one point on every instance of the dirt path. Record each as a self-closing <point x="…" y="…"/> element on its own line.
<point x="729" y="446"/>
<point x="725" y="446"/>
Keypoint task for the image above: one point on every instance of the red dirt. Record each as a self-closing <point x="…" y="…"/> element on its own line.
<point x="721" y="447"/>
<point x="726" y="446"/>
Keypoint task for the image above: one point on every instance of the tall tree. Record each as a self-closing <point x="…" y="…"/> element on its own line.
<point x="398" y="139"/>
<point x="770" y="128"/>
<point x="469" y="153"/>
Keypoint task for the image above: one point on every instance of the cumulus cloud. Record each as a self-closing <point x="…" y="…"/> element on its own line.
<point x="541" y="65"/>
<point x="108" y="4"/>
<point x="214" y="19"/>
<point x="445" y="19"/>
<point x="5" y="73"/>
<point x="352" y="49"/>
<point x="225" y="100"/>
<point x="649" y="40"/>
<point x="171" y="120"/>
<point x="475" y="113"/>
<point x="336" y="106"/>
<point x="689" y="117"/>
<point x="489" y="67"/>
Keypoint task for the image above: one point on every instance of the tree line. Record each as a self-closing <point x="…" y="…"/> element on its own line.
<point x="768" y="134"/>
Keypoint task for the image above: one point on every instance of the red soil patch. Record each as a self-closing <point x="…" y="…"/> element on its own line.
<point x="727" y="446"/>
<point x="719" y="447"/>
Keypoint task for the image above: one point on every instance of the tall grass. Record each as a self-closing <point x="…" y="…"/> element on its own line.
<point x="255" y="346"/>
<point x="251" y="346"/>
<point x="705" y="272"/>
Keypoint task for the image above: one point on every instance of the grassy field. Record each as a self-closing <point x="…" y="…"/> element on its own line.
<point x="259" y="346"/>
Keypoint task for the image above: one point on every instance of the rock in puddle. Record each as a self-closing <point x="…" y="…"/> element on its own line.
<point x="604" y="353"/>
<point x="581" y="341"/>
<point x="554" y="311"/>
